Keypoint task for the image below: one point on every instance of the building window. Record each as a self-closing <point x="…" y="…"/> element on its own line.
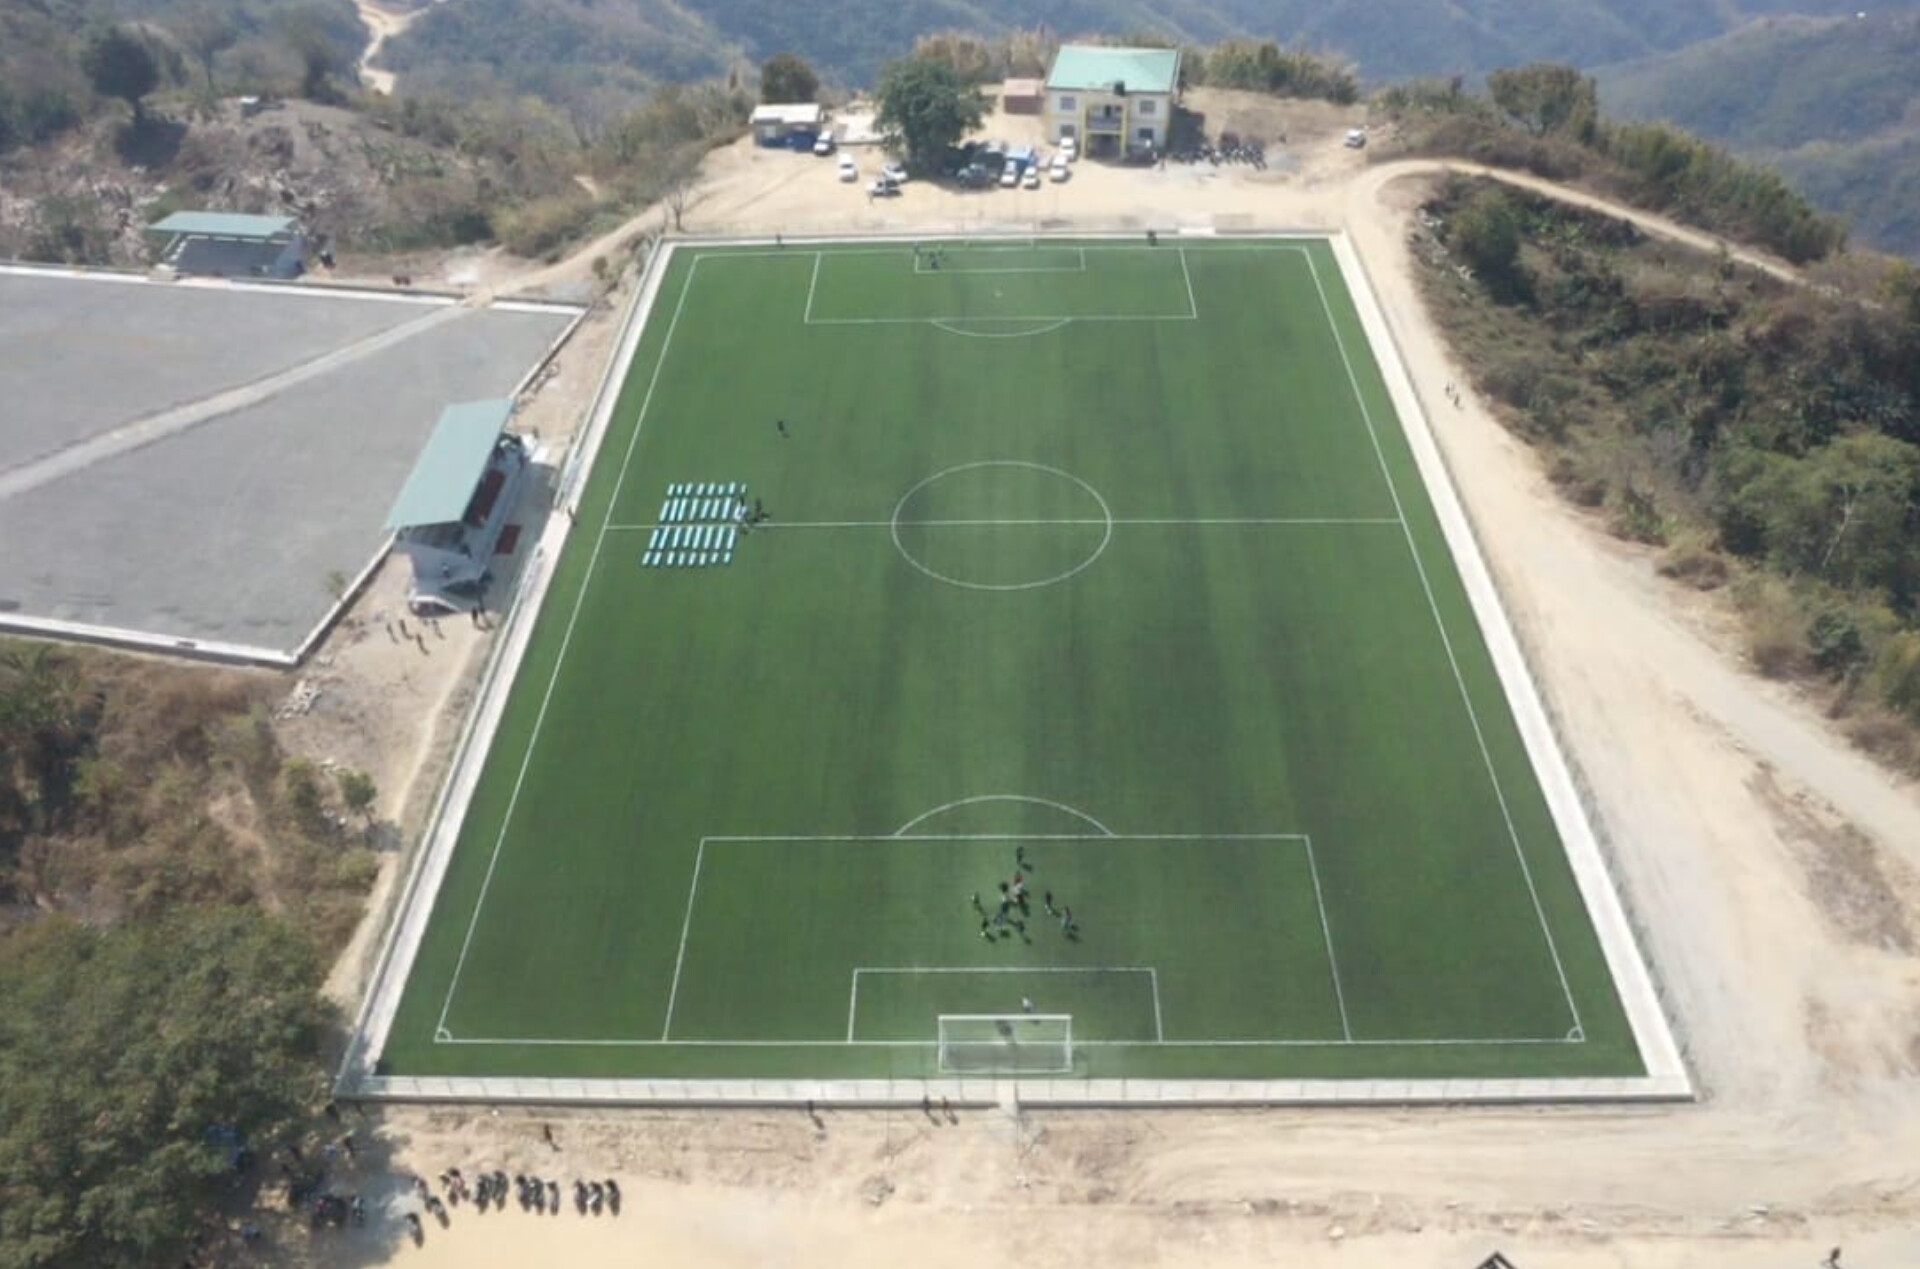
<point x="1146" y="134"/>
<point x="1068" y="103"/>
<point x="1066" y="131"/>
<point x="1146" y="107"/>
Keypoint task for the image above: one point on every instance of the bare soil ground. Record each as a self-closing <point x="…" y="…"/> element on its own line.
<point x="1771" y="869"/>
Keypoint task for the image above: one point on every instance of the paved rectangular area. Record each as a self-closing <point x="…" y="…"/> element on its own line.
<point x="194" y="462"/>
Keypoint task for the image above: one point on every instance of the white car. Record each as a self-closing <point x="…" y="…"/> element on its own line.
<point x="848" y="171"/>
<point x="895" y="173"/>
<point x="1058" y="169"/>
<point x="1032" y="179"/>
<point x="823" y="144"/>
<point x="1356" y="138"/>
<point x="1010" y="175"/>
<point x="1069" y="149"/>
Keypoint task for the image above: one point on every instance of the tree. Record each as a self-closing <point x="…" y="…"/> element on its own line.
<point x="1485" y="233"/>
<point x="786" y="77"/>
<point x="1843" y="513"/>
<point x="1545" y="97"/>
<point x="206" y="32"/>
<point x="121" y="64"/>
<point x="358" y="791"/>
<point x="124" y="1054"/>
<point x="925" y="108"/>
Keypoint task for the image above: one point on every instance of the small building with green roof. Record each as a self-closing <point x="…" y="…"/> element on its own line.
<point x="1112" y="101"/>
<point x="230" y="245"/>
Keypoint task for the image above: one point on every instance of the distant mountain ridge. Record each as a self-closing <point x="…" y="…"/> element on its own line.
<point x="508" y="41"/>
<point x="1833" y="103"/>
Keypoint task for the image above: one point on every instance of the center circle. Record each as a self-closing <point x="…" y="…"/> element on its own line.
<point x="1001" y="524"/>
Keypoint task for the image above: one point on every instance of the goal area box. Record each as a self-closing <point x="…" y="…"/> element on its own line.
<point x="1005" y="1044"/>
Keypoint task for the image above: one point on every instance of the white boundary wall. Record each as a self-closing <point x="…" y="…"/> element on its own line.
<point x="1667" y="1078"/>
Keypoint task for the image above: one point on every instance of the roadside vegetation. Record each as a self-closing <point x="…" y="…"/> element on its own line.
<point x="171" y="886"/>
<point x="1764" y="436"/>
<point x="1250" y="65"/>
<point x="1545" y="119"/>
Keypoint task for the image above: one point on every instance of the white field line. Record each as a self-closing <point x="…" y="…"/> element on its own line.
<point x="1333" y="962"/>
<point x="1446" y="641"/>
<point x="1193" y="306"/>
<point x="807" y="317"/>
<point x="1159" y="1028"/>
<point x="1425" y="1042"/>
<point x="699" y="862"/>
<point x="1008" y="837"/>
<point x="923" y="268"/>
<point x="686" y="925"/>
<point x="1175" y="522"/>
<point x="979" y="799"/>
<point x="853" y="995"/>
<point x="566" y="641"/>
<point x="977" y="317"/>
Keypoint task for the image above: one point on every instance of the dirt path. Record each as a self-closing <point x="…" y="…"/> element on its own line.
<point x="384" y="24"/>
<point x="1775" y="874"/>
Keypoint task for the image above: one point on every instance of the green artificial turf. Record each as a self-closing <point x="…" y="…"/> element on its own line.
<point x="1087" y="552"/>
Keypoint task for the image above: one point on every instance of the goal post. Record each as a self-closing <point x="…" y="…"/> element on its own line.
<point x="1006" y="1043"/>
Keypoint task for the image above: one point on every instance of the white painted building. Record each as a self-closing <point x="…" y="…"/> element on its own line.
<point x="1112" y="101"/>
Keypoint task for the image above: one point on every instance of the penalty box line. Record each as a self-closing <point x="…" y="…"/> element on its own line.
<point x="700" y="856"/>
<point x="1186" y="275"/>
<point x="924" y="267"/>
<point x="1153" y="983"/>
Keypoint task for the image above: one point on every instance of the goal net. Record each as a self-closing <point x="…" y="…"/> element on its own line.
<point x="1006" y="1044"/>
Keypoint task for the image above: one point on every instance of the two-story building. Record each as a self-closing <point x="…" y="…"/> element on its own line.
<point x="1112" y="101"/>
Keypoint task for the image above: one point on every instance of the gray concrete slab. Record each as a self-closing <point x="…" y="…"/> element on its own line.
<point x="81" y="355"/>
<point x="228" y="530"/>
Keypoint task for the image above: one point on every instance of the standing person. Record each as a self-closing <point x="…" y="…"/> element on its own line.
<point x="781" y="426"/>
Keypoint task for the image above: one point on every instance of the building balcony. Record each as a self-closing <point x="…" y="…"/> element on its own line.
<point x="1115" y="123"/>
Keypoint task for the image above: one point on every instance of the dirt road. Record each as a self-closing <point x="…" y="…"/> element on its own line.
<point x="383" y="24"/>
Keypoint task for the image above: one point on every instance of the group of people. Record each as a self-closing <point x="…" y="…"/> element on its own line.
<point x="534" y="1194"/>
<point x="1015" y="908"/>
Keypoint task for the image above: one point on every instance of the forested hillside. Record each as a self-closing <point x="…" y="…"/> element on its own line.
<point x="1834" y="104"/>
<point x="255" y="44"/>
<point x="1765" y="434"/>
<point x="850" y="41"/>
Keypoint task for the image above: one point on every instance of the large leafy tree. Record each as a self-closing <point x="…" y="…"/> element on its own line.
<point x="787" y="77"/>
<point x="925" y="108"/>
<point x="121" y="1051"/>
<point x="1545" y="97"/>
<point x="121" y="64"/>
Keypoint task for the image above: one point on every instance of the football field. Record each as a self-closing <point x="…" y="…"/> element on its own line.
<point x="1009" y="657"/>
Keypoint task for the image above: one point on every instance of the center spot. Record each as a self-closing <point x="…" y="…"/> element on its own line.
<point x="1002" y="524"/>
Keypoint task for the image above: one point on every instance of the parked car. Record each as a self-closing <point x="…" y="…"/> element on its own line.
<point x="1069" y="149"/>
<point x="1356" y="137"/>
<point x="823" y="144"/>
<point x="1058" y="170"/>
<point x="1032" y="179"/>
<point x="973" y="176"/>
<point x="883" y="187"/>
<point x="848" y="172"/>
<point x="895" y="173"/>
<point x="1010" y="175"/>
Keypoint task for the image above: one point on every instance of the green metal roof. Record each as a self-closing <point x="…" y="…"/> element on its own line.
<point x="224" y="225"/>
<point x="1092" y="67"/>
<point x="449" y="469"/>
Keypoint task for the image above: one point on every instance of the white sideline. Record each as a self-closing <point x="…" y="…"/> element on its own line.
<point x="416" y="901"/>
<point x="1651" y="1032"/>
